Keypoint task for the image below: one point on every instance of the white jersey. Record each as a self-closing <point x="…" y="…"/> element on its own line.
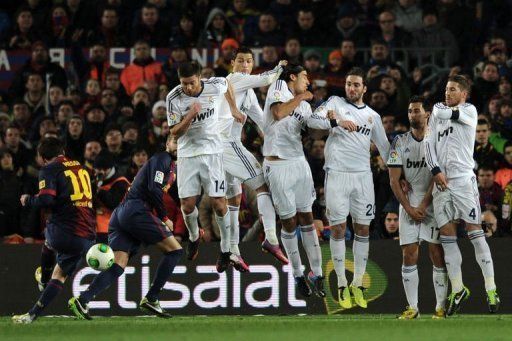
<point x="203" y="135"/>
<point x="450" y="140"/>
<point x="246" y="101"/>
<point x="282" y="138"/>
<point x="350" y="151"/>
<point x="409" y="154"/>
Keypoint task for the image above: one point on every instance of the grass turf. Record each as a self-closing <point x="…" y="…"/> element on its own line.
<point x="262" y="328"/>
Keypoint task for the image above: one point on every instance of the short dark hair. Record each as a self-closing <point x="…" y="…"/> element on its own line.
<point x="417" y="99"/>
<point x="291" y="69"/>
<point x="462" y="81"/>
<point x="112" y="71"/>
<point x="189" y="69"/>
<point x="242" y="49"/>
<point x="148" y="5"/>
<point x="50" y="147"/>
<point x="481" y="121"/>
<point x="486" y="167"/>
<point x="357" y="71"/>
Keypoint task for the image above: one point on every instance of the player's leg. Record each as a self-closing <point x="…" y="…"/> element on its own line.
<point x="439" y="278"/>
<point x="172" y="253"/>
<point x="44" y="272"/>
<point x="234" y="197"/>
<point x="410" y="279"/>
<point x="337" y="202"/>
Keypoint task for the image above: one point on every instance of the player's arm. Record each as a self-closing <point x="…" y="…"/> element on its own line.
<point x="231" y="99"/>
<point x="263" y="79"/>
<point x="158" y="176"/>
<point x="47" y="191"/>
<point x="380" y="139"/>
<point x="255" y="112"/>
<point x="427" y="199"/>
<point x="465" y="113"/>
<point x="429" y="143"/>
<point x="281" y="110"/>
<point x="179" y="125"/>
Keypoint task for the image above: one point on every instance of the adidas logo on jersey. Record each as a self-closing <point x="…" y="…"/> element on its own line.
<point x="204" y="115"/>
<point x="416" y="164"/>
<point x="407" y="150"/>
<point x="446" y="132"/>
<point x="363" y="130"/>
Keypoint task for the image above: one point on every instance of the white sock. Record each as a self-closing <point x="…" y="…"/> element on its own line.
<point x="338" y="259"/>
<point x="483" y="257"/>
<point x="224" y="228"/>
<point x="440" y="280"/>
<point x="234" y="228"/>
<point x="268" y="216"/>
<point x="312" y="247"/>
<point x="453" y="260"/>
<point x="411" y="280"/>
<point x="191" y="223"/>
<point x="360" y="249"/>
<point x="291" y="246"/>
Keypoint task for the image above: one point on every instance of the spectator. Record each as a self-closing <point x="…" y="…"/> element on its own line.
<point x="505" y="89"/>
<point x="40" y="63"/>
<point x="487" y="85"/>
<point x="94" y="122"/>
<point x="313" y="66"/>
<point x="21" y="117"/>
<point x="349" y="27"/>
<point x="391" y="225"/>
<point x="186" y="34"/>
<point x="55" y="97"/>
<point x="95" y="67"/>
<point x="408" y="15"/>
<point x="138" y="159"/>
<point x="268" y="32"/>
<point x="109" y="101"/>
<point x="316" y="160"/>
<point x="150" y="28"/>
<point x="10" y="192"/>
<point x="380" y="63"/>
<point x="499" y="56"/>
<point x="170" y="68"/>
<point x="306" y="30"/>
<point x="348" y="53"/>
<point x="269" y="58"/>
<point x="223" y="64"/>
<point x="143" y="71"/>
<point x="485" y="154"/>
<point x="292" y="51"/>
<point x="91" y="151"/>
<point x="333" y="73"/>
<point x="113" y="81"/>
<point x="244" y="18"/>
<point x="217" y="28"/>
<point x="379" y="101"/>
<point x="59" y="33"/>
<point x="130" y="134"/>
<point x="74" y="138"/>
<point x="64" y="113"/>
<point x="433" y="35"/>
<point x="491" y="194"/>
<point x="390" y="33"/>
<point x="388" y="122"/>
<point x="115" y="146"/>
<point x="35" y="95"/>
<point x="109" y="32"/>
<point x="23" y="34"/>
<point x="21" y="155"/>
<point x="504" y="173"/>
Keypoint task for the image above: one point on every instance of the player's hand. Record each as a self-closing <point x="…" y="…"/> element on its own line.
<point x="405" y="185"/>
<point x="416" y="214"/>
<point x="306" y="96"/>
<point x="331" y="115"/>
<point x="24" y="199"/>
<point x="441" y="182"/>
<point x="348" y="125"/>
<point x="195" y="109"/>
<point x="239" y="116"/>
<point x="283" y="63"/>
<point x="169" y="224"/>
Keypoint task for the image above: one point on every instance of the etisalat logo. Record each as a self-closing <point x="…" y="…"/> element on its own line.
<point x="374" y="280"/>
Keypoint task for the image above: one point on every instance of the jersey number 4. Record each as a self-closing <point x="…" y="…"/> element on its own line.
<point x="81" y="184"/>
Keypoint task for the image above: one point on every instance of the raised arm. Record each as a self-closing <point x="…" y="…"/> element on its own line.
<point x="464" y="113"/>
<point x="281" y="110"/>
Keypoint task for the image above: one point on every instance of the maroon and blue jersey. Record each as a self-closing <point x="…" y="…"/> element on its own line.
<point x="65" y="189"/>
<point x="155" y="177"/>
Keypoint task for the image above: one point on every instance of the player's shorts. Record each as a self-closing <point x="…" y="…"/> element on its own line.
<point x="291" y="186"/>
<point x="460" y="201"/>
<point x="69" y="248"/>
<point x="133" y="223"/>
<point x="412" y="232"/>
<point x="202" y="171"/>
<point x="349" y="192"/>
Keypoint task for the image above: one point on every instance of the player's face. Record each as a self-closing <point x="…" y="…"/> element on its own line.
<point x="454" y="94"/>
<point x="301" y="83"/>
<point x="191" y="85"/>
<point x="354" y="88"/>
<point x="482" y="133"/>
<point x="243" y="63"/>
<point x="417" y="115"/>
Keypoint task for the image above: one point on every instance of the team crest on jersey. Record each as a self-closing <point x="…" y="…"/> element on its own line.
<point x="393" y="155"/>
<point x="159" y="177"/>
<point x="173" y="117"/>
<point x="370" y="120"/>
<point x="42" y="184"/>
<point x="210" y="99"/>
<point x="277" y="95"/>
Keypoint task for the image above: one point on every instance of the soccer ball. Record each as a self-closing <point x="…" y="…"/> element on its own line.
<point x="100" y="257"/>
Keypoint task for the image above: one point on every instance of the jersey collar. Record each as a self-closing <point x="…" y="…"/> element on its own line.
<point x="355" y="106"/>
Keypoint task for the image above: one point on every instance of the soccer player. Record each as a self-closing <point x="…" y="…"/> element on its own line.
<point x="192" y="114"/>
<point x="288" y="174"/>
<point x="132" y="223"/>
<point x="416" y="218"/>
<point x="349" y="181"/>
<point x="449" y="145"/>
<point x="65" y="189"/>
<point x="240" y="165"/>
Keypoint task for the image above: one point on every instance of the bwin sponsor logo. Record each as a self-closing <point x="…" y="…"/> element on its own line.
<point x="446" y="132"/>
<point x="416" y="164"/>
<point x="363" y="130"/>
<point x="204" y="115"/>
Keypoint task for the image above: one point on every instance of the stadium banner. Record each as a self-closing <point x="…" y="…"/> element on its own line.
<point x="197" y="289"/>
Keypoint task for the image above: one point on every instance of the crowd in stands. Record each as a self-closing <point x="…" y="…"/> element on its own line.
<point x="112" y="120"/>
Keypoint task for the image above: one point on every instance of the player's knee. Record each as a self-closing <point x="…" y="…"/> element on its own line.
<point x="235" y="201"/>
<point x="121" y="258"/>
<point x="289" y="224"/>
<point x="410" y="254"/>
<point x="338" y="231"/>
<point x="59" y="274"/>
<point x="219" y="205"/>
<point x="188" y="205"/>
<point x="305" y="218"/>
<point x="436" y="255"/>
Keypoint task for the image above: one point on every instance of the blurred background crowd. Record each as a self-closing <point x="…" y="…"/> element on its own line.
<point x="112" y="119"/>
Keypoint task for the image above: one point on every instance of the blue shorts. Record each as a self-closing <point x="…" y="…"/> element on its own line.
<point x="69" y="248"/>
<point x="133" y="223"/>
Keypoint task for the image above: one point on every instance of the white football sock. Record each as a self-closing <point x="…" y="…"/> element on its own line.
<point x="338" y="250"/>
<point x="268" y="216"/>
<point x="440" y="279"/>
<point x="411" y="280"/>
<point x="453" y="260"/>
<point x="483" y="257"/>
<point x="312" y="247"/>
<point x="191" y="224"/>
<point x="291" y="246"/>
<point x="224" y="228"/>
<point x="360" y="249"/>
<point x="234" y="227"/>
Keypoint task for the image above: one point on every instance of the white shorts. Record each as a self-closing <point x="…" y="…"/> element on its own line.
<point x="348" y="192"/>
<point x="241" y="165"/>
<point x="412" y="232"/>
<point x="460" y="201"/>
<point x="291" y="186"/>
<point x="203" y="171"/>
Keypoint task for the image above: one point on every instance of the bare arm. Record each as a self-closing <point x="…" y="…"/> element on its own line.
<point x="182" y="127"/>
<point x="395" y="173"/>
<point x="427" y="199"/>
<point x="281" y="110"/>
<point x="230" y="98"/>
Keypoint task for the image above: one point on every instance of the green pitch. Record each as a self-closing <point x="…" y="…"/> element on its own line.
<point x="263" y="328"/>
